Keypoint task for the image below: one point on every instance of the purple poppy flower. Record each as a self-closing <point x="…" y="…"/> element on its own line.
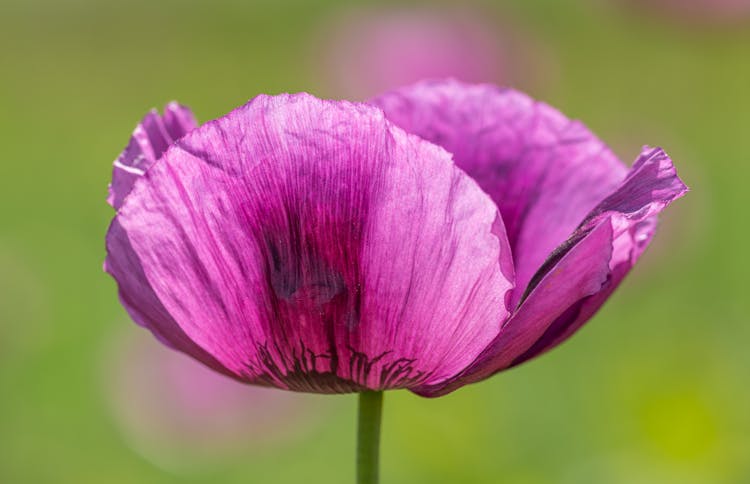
<point x="328" y="246"/>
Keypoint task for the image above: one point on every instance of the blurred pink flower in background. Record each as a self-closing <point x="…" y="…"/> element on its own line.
<point x="182" y="416"/>
<point x="367" y="51"/>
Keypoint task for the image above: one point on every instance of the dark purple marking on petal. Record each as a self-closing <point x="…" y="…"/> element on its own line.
<point x="582" y="271"/>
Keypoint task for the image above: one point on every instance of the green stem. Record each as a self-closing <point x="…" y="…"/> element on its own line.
<point x="368" y="436"/>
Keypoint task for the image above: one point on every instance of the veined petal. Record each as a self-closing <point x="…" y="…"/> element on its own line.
<point x="313" y="246"/>
<point x="367" y="50"/>
<point x="581" y="273"/>
<point x="544" y="171"/>
<point x="149" y="141"/>
<point x="138" y="298"/>
<point x="649" y="187"/>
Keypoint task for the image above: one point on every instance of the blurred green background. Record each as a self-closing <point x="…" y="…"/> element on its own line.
<point x="654" y="390"/>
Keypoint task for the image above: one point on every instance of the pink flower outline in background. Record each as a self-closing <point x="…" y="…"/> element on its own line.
<point x="186" y="418"/>
<point x="366" y="51"/>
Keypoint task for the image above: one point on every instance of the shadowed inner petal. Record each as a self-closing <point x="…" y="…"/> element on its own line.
<point x="544" y="171"/>
<point x="582" y="273"/>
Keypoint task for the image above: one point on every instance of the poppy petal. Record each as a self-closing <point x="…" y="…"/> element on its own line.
<point x="313" y="246"/>
<point x="150" y="139"/>
<point x="581" y="273"/>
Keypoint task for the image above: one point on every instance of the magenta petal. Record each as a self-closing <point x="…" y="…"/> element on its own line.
<point x="149" y="141"/>
<point x="582" y="273"/>
<point x="544" y="171"/>
<point x="313" y="246"/>
<point x="138" y="298"/>
<point x="651" y="185"/>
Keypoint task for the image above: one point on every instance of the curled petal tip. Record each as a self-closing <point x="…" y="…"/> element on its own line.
<point x="651" y="184"/>
<point x="150" y="139"/>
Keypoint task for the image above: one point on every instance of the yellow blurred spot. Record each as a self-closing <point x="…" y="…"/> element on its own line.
<point x="682" y="426"/>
